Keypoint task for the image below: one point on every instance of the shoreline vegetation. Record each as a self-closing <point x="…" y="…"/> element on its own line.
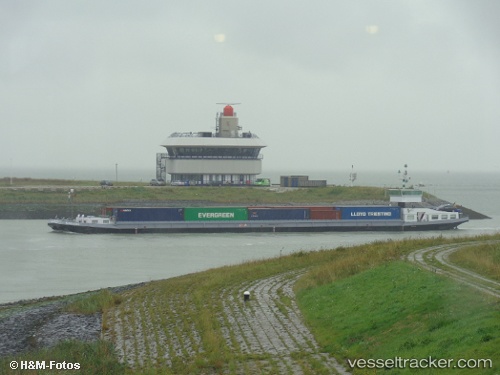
<point x="364" y="302"/>
<point x="27" y="198"/>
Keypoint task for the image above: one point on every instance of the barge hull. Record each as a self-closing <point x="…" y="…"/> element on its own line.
<point x="255" y="226"/>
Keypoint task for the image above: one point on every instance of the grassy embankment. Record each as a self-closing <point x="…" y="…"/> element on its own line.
<point x="398" y="310"/>
<point x="44" y="199"/>
<point x="36" y="182"/>
<point x="55" y="192"/>
<point x="360" y="302"/>
<point x="483" y="259"/>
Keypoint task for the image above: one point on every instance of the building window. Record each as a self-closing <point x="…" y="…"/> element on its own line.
<point x="214" y="152"/>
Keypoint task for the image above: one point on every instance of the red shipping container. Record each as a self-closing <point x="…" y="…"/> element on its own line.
<point x="324" y="213"/>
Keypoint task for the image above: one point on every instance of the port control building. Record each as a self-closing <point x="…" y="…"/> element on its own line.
<point x="227" y="156"/>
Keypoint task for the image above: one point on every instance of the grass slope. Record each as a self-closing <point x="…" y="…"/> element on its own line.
<point x="399" y="310"/>
<point x="482" y="259"/>
<point x="222" y="195"/>
<point x="361" y="302"/>
<point x="68" y="357"/>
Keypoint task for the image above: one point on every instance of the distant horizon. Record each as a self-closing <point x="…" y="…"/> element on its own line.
<point x="6" y="169"/>
<point x="382" y="177"/>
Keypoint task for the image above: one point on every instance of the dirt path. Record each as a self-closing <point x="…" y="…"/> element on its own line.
<point x="435" y="259"/>
<point x="267" y="332"/>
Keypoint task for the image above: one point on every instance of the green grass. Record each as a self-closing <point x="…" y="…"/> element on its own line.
<point x="222" y="195"/>
<point x="46" y="182"/>
<point x="92" y="358"/>
<point x="194" y="299"/>
<point x="399" y="310"/>
<point x="94" y="302"/>
<point x="361" y="302"/>
<point x="28" y="191"/>
<point x="483" y="259"/>
<point x="28" y="182"/>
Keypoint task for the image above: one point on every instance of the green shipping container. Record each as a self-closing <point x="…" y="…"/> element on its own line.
<point x="215" y="214"/>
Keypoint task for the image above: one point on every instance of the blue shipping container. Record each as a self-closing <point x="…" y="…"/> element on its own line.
<point x="263" y="213"/>
<point x="149" y="214"/>
<point x="370" y="213"/>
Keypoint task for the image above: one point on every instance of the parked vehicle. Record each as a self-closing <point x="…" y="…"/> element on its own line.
<point x="157" y="182"/>
<point x="105" y="183"/>
<point x="178" y="183"/>
<point x="262" y="182"/>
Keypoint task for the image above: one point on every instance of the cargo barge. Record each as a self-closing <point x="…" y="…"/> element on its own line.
<point x="263" y="219"/>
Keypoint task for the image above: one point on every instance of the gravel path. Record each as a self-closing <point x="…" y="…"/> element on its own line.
<point x="266" y="332"/>
<point x="435" y="259"/>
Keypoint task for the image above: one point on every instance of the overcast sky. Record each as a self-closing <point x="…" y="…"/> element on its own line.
<point x="326" y="84"/>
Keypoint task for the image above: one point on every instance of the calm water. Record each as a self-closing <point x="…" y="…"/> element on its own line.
<point x="36" y="262"/>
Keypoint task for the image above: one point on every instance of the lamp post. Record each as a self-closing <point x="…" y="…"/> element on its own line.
<point x="116" y="172"/>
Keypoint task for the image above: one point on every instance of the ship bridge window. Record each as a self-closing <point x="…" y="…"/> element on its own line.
<point x="410" y="217"/>
<point x="453" y="216"/>
<point x="435" y="217"/>
<point x="444" y="217"/>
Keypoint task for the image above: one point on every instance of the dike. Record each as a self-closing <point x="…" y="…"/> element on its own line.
<point x="23" y="211"/>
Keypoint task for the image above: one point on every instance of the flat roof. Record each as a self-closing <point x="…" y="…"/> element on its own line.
<point x="253" y="142"/>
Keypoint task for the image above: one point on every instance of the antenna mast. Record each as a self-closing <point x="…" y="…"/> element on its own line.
<point x="353" y="175"/>
<point x="404" y="176"/>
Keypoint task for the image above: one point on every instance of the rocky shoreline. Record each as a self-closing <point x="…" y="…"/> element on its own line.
<point x="30" y="325"/>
